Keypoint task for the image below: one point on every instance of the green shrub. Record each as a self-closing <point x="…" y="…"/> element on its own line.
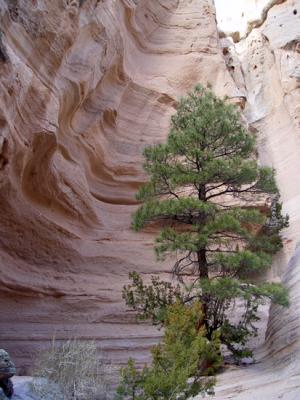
<point x="182" y="364"/>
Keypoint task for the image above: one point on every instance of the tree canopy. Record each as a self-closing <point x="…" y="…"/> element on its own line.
<point x="219" y="219"/>
<point x="206" y="187"/>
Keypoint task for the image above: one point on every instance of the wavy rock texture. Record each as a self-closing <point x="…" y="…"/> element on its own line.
<point x="269" y="61"/>
<point x="277" y="372"/>
<point x="85" y="86"/>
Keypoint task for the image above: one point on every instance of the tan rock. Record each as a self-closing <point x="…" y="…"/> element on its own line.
<point x="276" y="375"/>
<point x="269" y="63"/>
<point x="84" y="90"/>
<point x="85" y="86"/>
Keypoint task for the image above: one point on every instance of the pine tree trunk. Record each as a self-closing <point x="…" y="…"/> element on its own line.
<point x="202" y="263"/>
<point x="201" y="254"/>
<point x="203" y="273"/>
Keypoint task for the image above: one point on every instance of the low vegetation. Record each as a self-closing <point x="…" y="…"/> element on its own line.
<point x="184" y="352"/>
<point x="72" y="370"/>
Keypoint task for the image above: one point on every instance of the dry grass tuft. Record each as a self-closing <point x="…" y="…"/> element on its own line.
<point x="73" y="370"/>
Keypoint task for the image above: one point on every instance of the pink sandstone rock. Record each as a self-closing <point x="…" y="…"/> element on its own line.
<point x="84" y="89"/>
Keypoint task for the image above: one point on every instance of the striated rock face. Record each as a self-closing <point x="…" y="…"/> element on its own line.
<point x="85" y="86"/>
<point x="277" y="374"/>
<point x="269" y="61"/>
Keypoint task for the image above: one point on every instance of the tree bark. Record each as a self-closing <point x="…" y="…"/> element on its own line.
<point x="202" y="263"/>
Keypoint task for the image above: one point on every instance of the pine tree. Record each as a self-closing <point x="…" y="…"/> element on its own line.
<point x="219" y="216"/>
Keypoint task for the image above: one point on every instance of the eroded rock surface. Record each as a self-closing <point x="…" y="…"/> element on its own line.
<point x="276" y="375"/>
<point x="85" y="86"/>
<point x="269" y="61"/>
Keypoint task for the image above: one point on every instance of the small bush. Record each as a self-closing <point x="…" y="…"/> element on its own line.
<point x="72" y="370"/>
<point x="182" y="364"/>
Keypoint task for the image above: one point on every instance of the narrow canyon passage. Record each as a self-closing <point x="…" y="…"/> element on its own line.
<point x="85" y="87"/>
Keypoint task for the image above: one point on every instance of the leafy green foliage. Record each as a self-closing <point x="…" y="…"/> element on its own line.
<point x="220" y="216"/>
<point x="150" y="301"/>
<point x="181" y="364"/>
<point x="204" y="185"/>
<point x="131" y="382"/>
<point x="218" y="296"/>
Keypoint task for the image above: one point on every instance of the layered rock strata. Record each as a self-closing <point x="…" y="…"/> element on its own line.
<point x="85" y="86"/>
<point x="276" y="374"/>
<point x="269" y="61"/>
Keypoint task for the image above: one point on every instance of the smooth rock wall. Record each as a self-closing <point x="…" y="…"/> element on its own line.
<point x="276" y="375"/>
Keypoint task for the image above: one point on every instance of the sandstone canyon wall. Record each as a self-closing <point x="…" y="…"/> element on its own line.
<point x="85" y="86"/>
<point x="266" y="65"/>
